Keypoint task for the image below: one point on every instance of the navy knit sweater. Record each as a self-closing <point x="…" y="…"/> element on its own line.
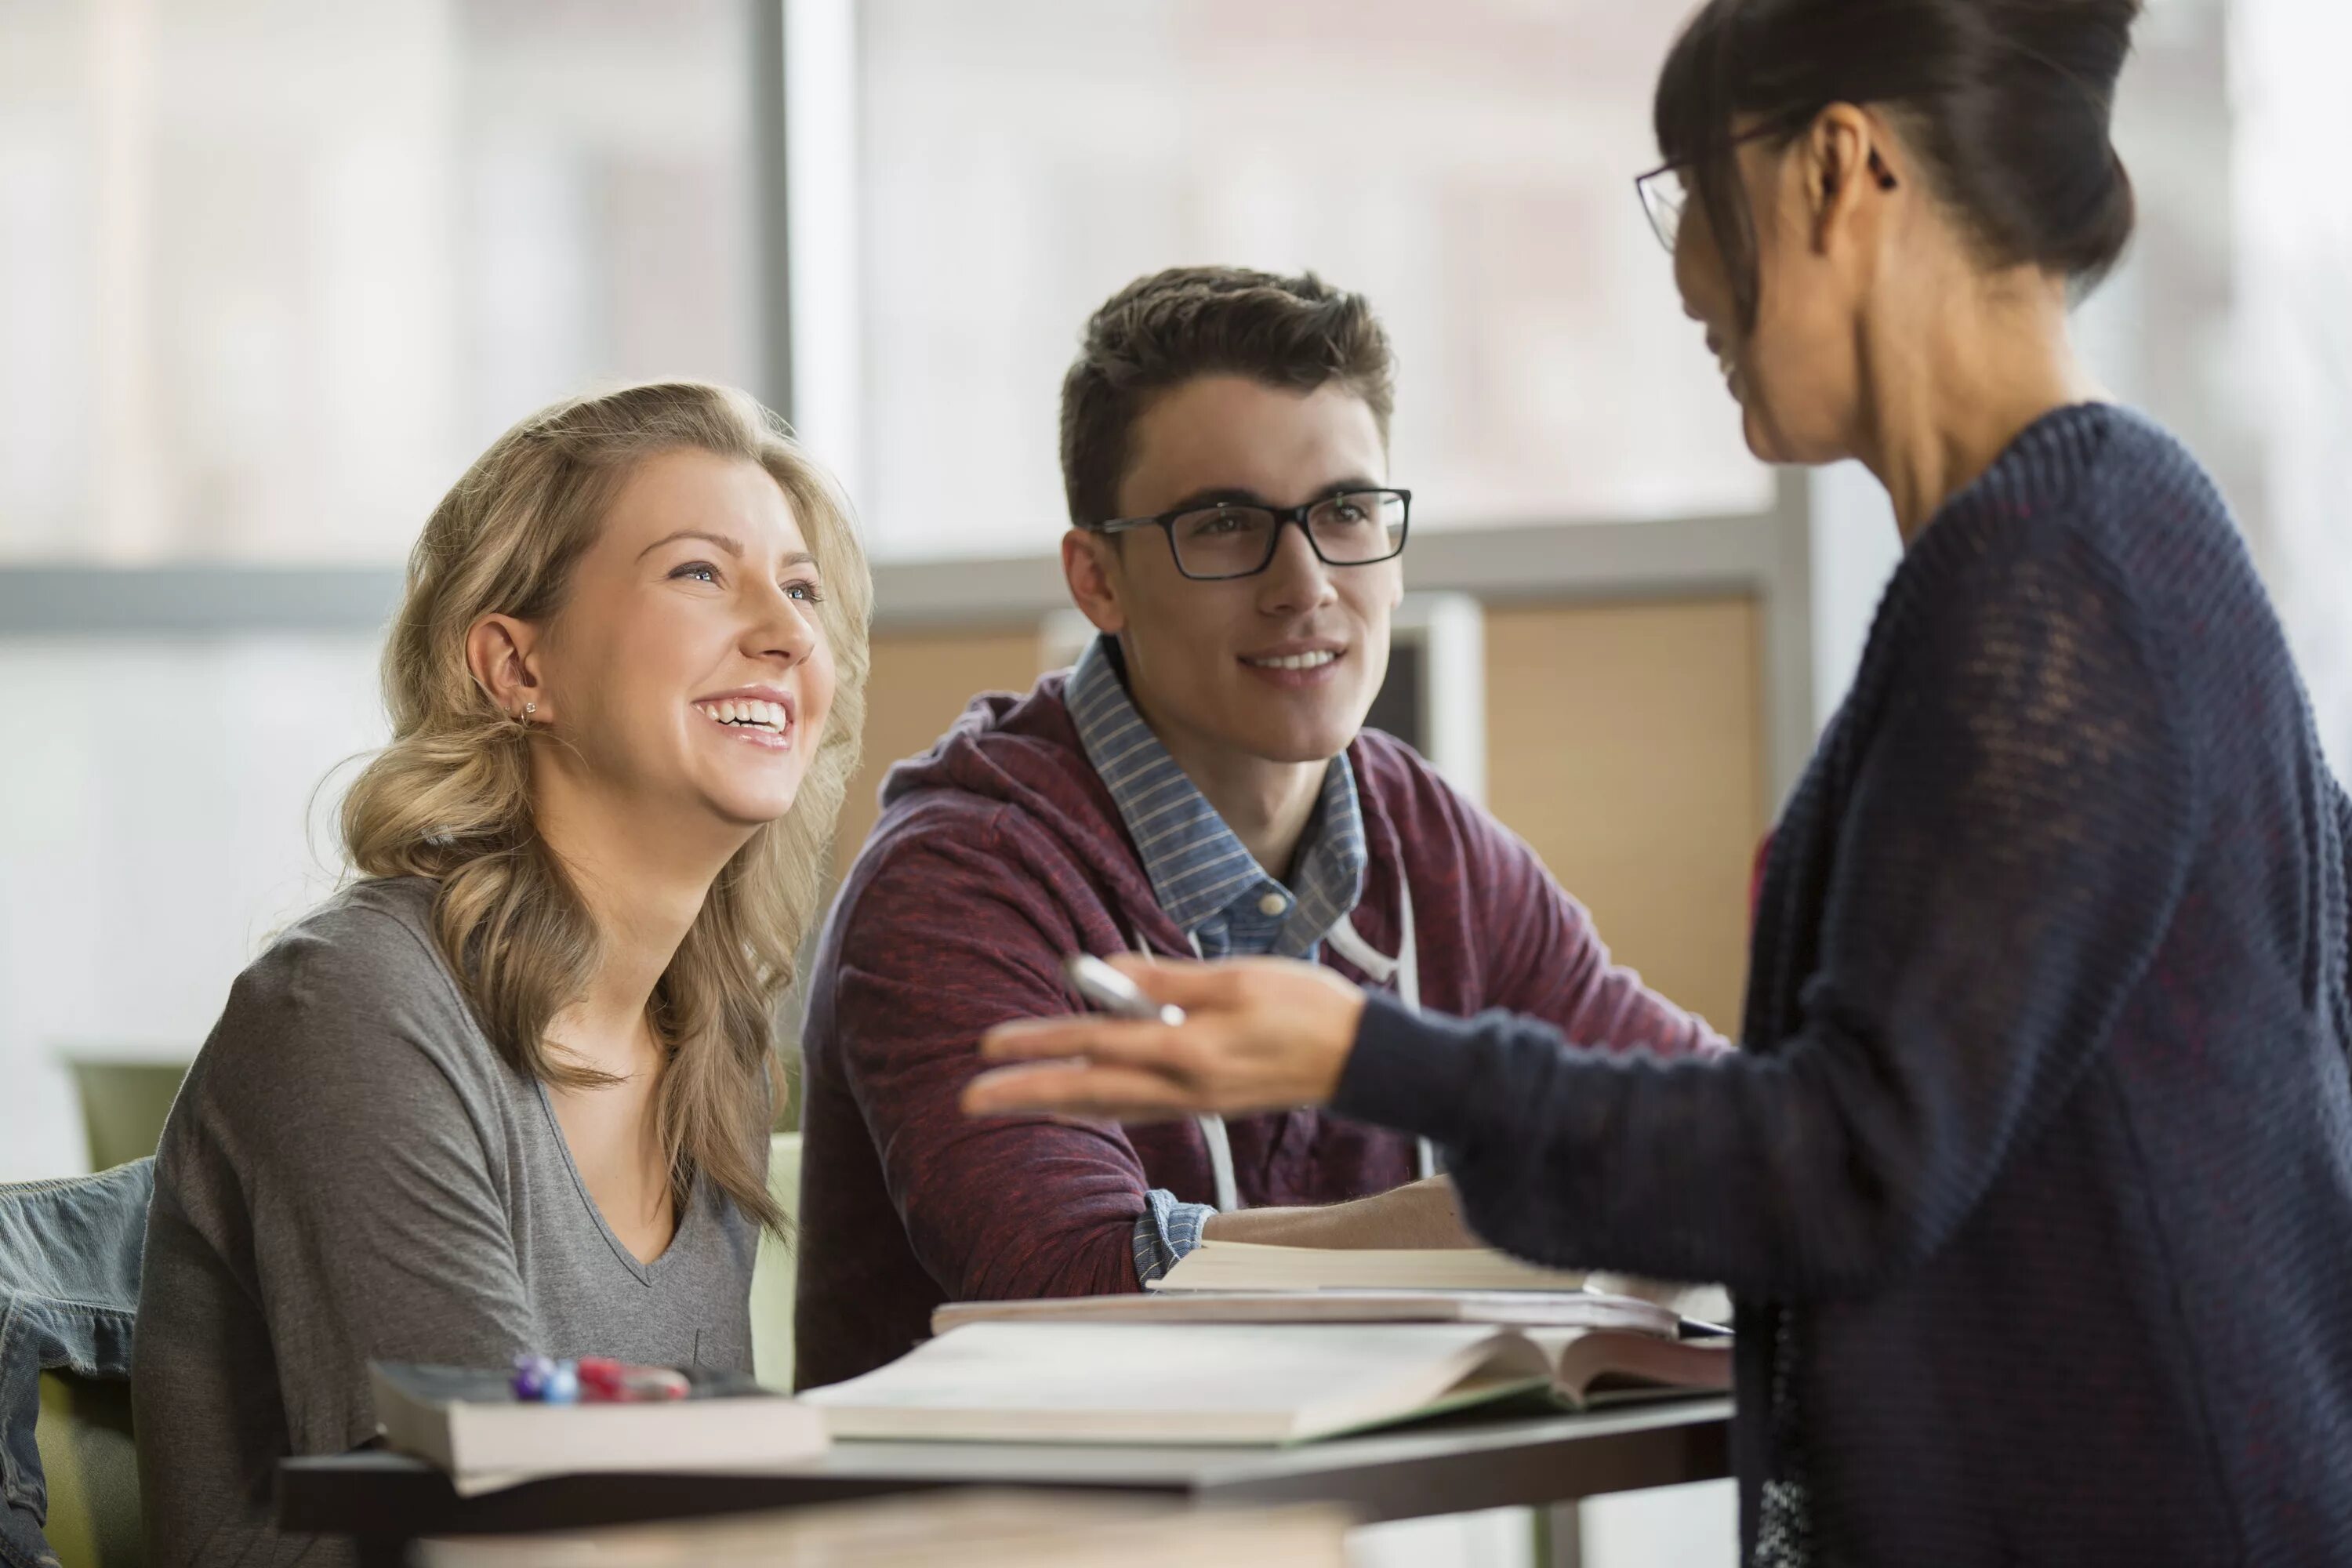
<point x="2033" y="1179"/>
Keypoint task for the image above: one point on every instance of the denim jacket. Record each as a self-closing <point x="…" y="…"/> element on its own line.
<point x="69" y="1257"/>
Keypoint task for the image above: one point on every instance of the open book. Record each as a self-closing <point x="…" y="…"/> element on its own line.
<point x="1061" y="1382"/>
<point x="470" y="1425"/>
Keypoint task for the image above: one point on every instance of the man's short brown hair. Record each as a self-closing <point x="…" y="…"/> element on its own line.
<point x="1168" y="329"/>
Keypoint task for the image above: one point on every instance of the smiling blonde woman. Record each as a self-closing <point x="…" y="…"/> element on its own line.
<point x="510" y="1090"/>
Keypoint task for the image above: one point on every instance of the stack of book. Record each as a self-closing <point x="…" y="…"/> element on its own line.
<point x="1250" y="1344"/>
<point x="1244" y="1266"/>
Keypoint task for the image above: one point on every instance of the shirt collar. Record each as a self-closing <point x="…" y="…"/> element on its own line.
<point x="1199" y="867"/>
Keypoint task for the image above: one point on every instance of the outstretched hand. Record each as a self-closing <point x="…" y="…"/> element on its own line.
<point x="1259" y="1034"/>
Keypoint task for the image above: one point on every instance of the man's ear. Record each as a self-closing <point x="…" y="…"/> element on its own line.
<point x="502" y="652"/>
<point x="1090" y="564"/>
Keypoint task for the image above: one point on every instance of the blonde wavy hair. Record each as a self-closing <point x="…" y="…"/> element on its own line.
<point x="449" y="798"/>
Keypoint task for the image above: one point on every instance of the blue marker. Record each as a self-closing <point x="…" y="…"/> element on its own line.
<point x="546" y="1381"/>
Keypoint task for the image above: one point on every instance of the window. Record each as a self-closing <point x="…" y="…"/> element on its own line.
<point x="2293" y="373"/>
<point x="1468" y="166"/>
<point x="271" y="272"/>
<point x="277" y="270"/>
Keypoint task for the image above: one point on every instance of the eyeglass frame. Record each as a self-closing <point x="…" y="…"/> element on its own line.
<point x="1283" y="517"/>
<point x="1642" y="183"/>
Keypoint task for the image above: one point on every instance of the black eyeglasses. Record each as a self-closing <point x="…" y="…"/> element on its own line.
<point x="1225" y="539"/>
<point x="1664" y="202"/>
<point x="1663" y="206"/>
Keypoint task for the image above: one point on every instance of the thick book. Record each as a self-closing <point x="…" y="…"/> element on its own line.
<point x="470" y="1424"/>
<point x="1253" y="1266"/>
<point x="1509" y="1308"/>
<point x="1222" y="1382"/>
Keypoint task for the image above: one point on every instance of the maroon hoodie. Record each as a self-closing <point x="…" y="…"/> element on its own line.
<point x="999" y="852"/>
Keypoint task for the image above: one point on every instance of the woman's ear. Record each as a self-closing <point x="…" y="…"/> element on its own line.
<point x="501" y="651"/>
<point x="1842" y="168"/>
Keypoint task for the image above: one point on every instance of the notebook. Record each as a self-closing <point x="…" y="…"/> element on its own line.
<point x="470" y="1425"/>
<point x="1220" y="1383"/>
<point x="1253" y="1266"/>
<point x="1520" y="1309"/>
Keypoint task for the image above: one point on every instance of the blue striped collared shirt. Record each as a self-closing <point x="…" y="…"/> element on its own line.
<point x="1205" y="878"/>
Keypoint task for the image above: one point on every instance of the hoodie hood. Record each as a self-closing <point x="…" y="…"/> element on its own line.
<point x="1019" y="750"/>
<point x="1022" y="752"/>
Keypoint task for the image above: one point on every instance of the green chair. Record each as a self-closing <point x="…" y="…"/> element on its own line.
<point x="91" y="1467"/>
<point x="123" y="1104"/>
<point x="771" y="1275"/>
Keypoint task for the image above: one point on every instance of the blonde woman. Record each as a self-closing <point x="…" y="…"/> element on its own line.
<point x="512" y="1091"/>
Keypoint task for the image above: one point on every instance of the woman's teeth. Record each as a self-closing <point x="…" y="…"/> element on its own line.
<point x="756" y="715"/>
<point x="1294" y="661"/>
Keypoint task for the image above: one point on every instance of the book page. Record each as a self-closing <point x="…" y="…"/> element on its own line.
<point x="1701" y="1303"/>
<point x="1180" y="1382"/>
<point x="1585" y="1360"/>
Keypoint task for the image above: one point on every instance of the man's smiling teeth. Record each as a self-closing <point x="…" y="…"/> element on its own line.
<point x="1294" y="661"/>
<point x="757" y="715"/>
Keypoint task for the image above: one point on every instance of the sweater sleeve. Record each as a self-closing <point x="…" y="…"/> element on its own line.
<point x="1548" y="963"/>
<point x="334" y="1139"/>
<point x="2341" y="809"/>
<point x="2009" y="855"/>
<point x="943" y="946"/>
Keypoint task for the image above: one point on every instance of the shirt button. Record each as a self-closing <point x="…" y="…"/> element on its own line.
<point x="1273" y="904"/>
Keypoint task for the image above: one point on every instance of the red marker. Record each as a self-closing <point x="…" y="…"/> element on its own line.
<point x="604" y="1380"/>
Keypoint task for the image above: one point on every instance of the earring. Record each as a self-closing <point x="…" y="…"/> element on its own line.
<point x="1878" y="172"/>
<point x="528" y="708"/>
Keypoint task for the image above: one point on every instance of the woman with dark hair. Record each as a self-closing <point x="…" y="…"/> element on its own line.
<point x="2033" y="1179"/>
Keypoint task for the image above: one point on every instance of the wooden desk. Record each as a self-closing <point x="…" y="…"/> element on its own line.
<point x="385" y="1500"/>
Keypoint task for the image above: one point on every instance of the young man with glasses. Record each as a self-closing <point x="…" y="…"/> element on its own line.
<point x="1200" y="783"/>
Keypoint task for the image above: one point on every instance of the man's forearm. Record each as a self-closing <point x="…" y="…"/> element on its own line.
<point x="1422" y="1213"/>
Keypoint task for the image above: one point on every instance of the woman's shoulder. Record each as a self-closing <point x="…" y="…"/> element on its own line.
<point x="371" y="937"/>
<point x="355" y="987"/>
<point x="2094" y="513"/>
<point x="2099" y="488"/>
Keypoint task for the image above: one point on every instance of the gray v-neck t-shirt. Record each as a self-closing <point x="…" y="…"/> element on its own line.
<point x="352" y="1172"/>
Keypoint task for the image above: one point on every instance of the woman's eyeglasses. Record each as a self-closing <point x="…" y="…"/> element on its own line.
<point x="1665" y="192"/>
<point x="1662" y="196"/>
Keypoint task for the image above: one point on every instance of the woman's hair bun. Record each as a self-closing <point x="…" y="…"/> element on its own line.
<point x="2006" y="106"/>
